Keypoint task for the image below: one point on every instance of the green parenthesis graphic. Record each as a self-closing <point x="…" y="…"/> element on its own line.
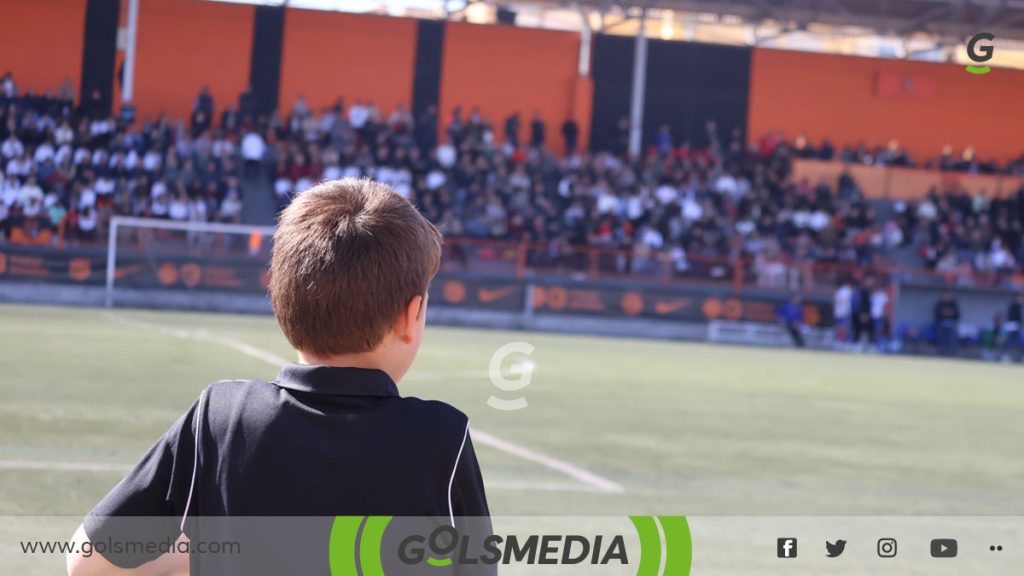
<point x="979" y="69"/>
<point x="678" y="545"/>
<point x="369" y="545"/>
<point x="650" y="545"/>
<point x="342" y="546"/>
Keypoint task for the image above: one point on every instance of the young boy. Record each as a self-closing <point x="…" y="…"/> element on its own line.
<point x="331" y="436"/>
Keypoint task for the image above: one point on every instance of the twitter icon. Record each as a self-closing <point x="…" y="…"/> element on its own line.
<point x="835" y="550"/>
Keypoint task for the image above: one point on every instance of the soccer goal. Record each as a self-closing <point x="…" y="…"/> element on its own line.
<point x="161" y="255"/>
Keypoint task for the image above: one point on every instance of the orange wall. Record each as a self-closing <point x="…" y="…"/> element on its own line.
<point x="184" y="44"/>
<point x="327" y="55"/>
<point x="41" y="42"/>
<point x="832" y="96"/>
<point x="503" y="69"/>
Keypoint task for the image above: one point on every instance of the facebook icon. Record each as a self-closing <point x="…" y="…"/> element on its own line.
<point x="787" y="547"/>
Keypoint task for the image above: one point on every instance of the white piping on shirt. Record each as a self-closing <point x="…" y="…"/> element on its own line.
<point x="195" y="461"/>
<point x="451" y="509"/>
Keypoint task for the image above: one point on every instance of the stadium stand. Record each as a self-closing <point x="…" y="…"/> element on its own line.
<point x="678" y="210"/>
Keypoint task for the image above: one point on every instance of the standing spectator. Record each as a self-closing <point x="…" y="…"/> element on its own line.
<point x="202" y="112"/>
<point x="254" y="148"/>
<point x="862" y="328"/>
<point x="947" y="324"/>
<point x="842" y="311"/>
<point x="791" y="314"/>
<point x="537" y="130"/>
<point x="512" y="130"/>
<point x="879" y="305"/>
<point x="570" y="132"/>
<point x="1014" y="328"/>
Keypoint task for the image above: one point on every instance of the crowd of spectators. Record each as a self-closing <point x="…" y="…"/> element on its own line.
<point x="673" y="209"/>
<point x="66" y="169"/>
<point x="678" y="206"/>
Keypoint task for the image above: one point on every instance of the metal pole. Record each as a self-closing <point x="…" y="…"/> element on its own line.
<point x="131" y="30"/>
<point x="636" y="109"/>
<point x="585" y="39"/>
<point x="111" y="262"/>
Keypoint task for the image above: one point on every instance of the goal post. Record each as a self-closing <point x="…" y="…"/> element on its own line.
<point x="158" y="253"/>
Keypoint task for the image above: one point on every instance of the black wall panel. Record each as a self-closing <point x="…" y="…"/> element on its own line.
<point x="267" y="46"/>
<point x="689" y="83"/>
<point x="99" y="53"/>
<point x="612" y="70"/>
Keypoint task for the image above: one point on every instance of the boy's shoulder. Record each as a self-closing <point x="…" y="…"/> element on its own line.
<point x="260" y="393"/>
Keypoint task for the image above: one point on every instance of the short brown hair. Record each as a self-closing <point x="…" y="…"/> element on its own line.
<point x="348" y="257"/>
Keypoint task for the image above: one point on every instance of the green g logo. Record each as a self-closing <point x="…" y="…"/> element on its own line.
<point x="980" y="54"/>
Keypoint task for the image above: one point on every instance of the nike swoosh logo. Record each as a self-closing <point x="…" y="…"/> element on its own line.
<point x="127" y="271"/>
<point x="670" y="306"/>
<point x="486" y="296"/>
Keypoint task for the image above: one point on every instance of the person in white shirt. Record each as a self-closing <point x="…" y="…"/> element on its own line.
<point x="64" y="135"/>
<point x="12" y="147"/>
<point x="87" y="222"/>
<point x="19" y="166"/>
<point x="254" y="148"/>
<point x="231" y="207"/>
<point x="879" y="304"/>
<point x="358" y="114"/>
<point x="30" y="192"/>
<point x="179" y="207"/>
<point x="43" y="153"/>
<point x="10" y="191"/>
<point x="842" y="312"/>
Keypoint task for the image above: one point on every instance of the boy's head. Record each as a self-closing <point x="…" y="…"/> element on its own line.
<point x="351" y="265"/>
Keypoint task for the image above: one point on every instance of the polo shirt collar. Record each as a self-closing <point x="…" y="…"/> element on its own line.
<point x="335" y="381"/>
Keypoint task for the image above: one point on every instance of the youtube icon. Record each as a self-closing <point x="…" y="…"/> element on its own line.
<point x="944" y="548"/>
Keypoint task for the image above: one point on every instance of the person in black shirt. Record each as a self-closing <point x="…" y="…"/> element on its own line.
<point x="537" y="130"/>
<point x="331" y="436"/>
<point x="1015" y="326"/>
<point x="947" y="324"/>
<point x="512" y="129"/>
<point x="570" y="131"/>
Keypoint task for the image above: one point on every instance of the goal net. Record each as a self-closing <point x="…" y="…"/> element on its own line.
<point x="188" y="259"/>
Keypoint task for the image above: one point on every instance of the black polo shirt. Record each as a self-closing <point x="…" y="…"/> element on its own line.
<point x="319" y="441"/>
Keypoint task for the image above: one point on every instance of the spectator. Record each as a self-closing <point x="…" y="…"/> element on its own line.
<point x="254" y="149"/>
<point x="512" y="130"/>
<point x="1014" y="328"/>
<point x="537" y="130"/>
<point x="947" y="324"/>
<point x="842" y="311"/>
<point x="791" y="314"/>
<point x="570" y="132"/>
<point x="879" y="317"/>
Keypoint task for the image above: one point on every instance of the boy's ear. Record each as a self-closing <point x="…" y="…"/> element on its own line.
<point x="410" y="318"/>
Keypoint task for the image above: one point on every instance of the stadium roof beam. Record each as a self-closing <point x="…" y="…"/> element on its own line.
<point x="953" y="18"/>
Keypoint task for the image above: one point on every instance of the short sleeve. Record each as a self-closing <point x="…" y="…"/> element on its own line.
<point x="143" y="512"/>
<point x="468" y="496"/>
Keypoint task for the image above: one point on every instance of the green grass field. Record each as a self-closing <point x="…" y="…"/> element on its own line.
<point x="613" y="426"/>
<point x="686" y="428"/>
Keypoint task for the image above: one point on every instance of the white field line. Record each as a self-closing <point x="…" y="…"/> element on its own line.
<point x="588" y="481"/>
<point x="64" y="466"/>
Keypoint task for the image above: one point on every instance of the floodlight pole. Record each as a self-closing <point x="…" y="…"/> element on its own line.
<point x="636" y="108"/>
<point x="131" y="32"/>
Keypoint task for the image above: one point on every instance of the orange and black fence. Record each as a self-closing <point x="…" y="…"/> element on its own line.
<point x="282" y="53"/>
